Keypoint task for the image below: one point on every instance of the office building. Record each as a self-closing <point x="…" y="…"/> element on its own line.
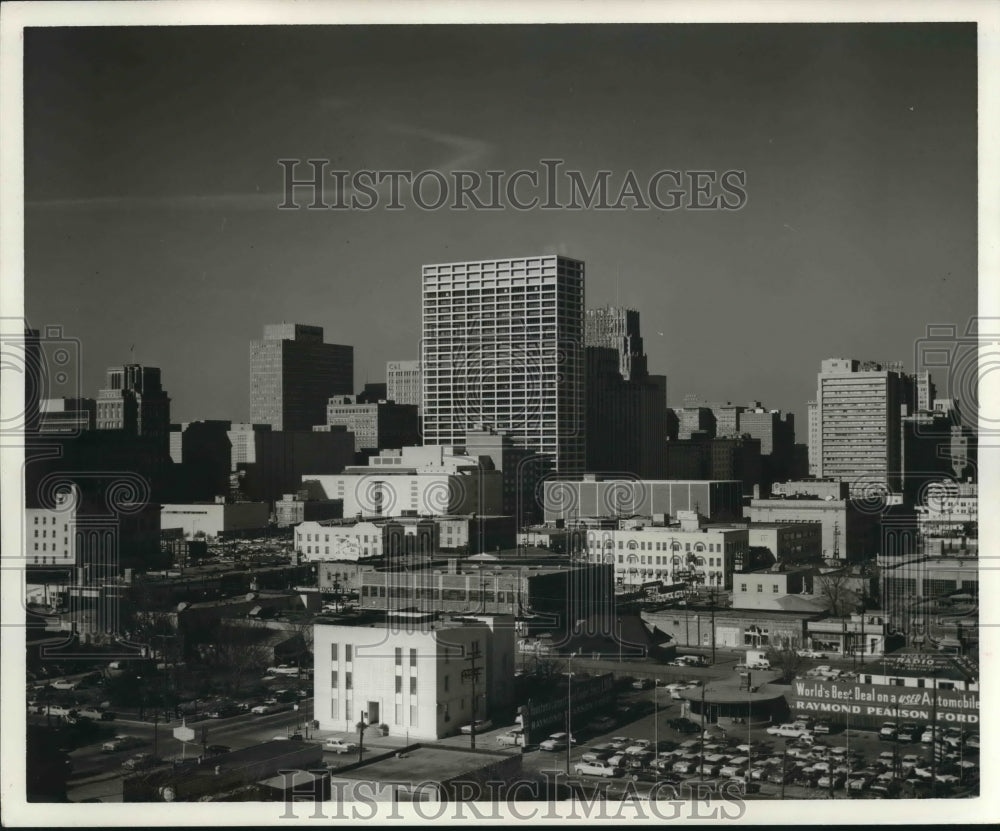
<point x="135" y="401"/>
<point x="419" y="481"/>
<point x="848" y="533"/>
<point x="376" y="425"/>
<point x="69" y="416"/>
<point x="598" y="496"/>
<point x="50" y="532"/>
<point x="859" y="406"/>
<point x="722" y="458"/>
<point x="626" y="421"/>
<point x="307" y="504"/>
<point x="211" y="520"/>
<point x="694" y="420"/>
<point x="610" y="327"/>
<point x="293" y="374"/>
<point x="813" y="439"/>
<point x="543" y="593"/>
<point x="521" y="470"/>
<point x="776" y="432"/>
<point x="502" y="345"/>
<point x="688" y="552"/>
<point x="283" y="459"/>
<point x="402" y="381"/>
<point x="409" y="674"/>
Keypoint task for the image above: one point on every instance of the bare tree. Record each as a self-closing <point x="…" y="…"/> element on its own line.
<point x="784" y="657"/>
<point x="837" y="592"/>
<point x="238" y="651"/>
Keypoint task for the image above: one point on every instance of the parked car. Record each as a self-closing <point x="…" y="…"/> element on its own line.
<point x="339" y="746"/>
<point x="263" y="709"/>
<point x="140" y="761"/>
<point x="512" y="738"/>
<point x="295" y="737"/>
<point x="640" y="746"/>
<point x="217" y="749"/>
<point x="64" y="684"/>
<point x="972" y="741"/>
<point x="597" y="767"/>
<point x="556" y="741"/>
<point x="908" y="732"/>
<point x="223" y="710"/>
<point x="812" y="653"/>
<point x="821" y="728"/>
<point x="683" y="725"/>
<point x="885" y="790"/>
<point x="619" y="742"/>
<point x="642" y="684"/>
<point x="121" y="742"/>
<point x="603" y="723"/>
<point x="888" y="731"/>
<point x="791" y="731"/>
<point x="481" y="725"/>
<point x="734" y="767"/>
<point x="283" y="669"/>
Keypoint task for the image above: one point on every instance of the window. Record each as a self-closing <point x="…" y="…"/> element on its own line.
<point x="760" y="587"/>
<point x="399" y="657"/>
<point x="333" y="679"/>
<point x="446" y="680"/>
<point x="348" y="681"/>
<point x="413" y="685"/>
<point x="743" y="587"/>
<point x="413" y="657"/>
<point x="774" y="588"/>
<point x="399" y="683"/>
<point x="333" y="652"/>
<point x="348" y="652"/>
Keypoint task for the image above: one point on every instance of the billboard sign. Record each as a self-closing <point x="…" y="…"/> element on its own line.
<point x="872" y="702"/>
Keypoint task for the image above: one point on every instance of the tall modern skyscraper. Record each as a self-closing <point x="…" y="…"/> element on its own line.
<point x="503" y="347"/>
<point x="134" y="401"/>
<point x="293" y="373"/>
<point x="859" y="411"/>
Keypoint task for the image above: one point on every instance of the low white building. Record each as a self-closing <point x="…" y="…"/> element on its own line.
<point x="50" y="533"/>
<point x="210" y="519"/>
<point x="423" y="481"/>
<point x="410" y="673"/>
<point x="339" y="541"/>
<point x="669" y="553"/>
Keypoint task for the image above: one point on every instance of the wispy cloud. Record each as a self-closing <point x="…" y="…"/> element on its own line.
<point x="464" y="152"/>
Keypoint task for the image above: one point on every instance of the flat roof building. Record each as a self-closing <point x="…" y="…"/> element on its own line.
<point x="502" y="345"/>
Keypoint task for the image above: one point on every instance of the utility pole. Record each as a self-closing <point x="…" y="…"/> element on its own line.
<point x="472" y="674"/>
<point x="784" y="757"/>
<point x="361" y="736"/>
<point x="712" y="596"/>
<point x="702" y="754"/>
<point x="569" y="710"/>
<point x="934" y="751"/>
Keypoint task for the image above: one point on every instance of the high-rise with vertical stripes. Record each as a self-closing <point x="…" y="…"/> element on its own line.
<point x="503" y="348"/>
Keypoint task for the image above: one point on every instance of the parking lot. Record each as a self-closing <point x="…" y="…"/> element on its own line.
<point x="818" y="767"/>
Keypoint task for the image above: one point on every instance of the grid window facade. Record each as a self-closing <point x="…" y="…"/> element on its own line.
<point x="503" y="345"/>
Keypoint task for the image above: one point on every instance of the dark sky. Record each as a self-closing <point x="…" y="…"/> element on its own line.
<point x="152" y="183"/>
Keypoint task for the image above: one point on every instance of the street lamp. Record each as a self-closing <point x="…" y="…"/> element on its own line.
<point x="569" y="709"/>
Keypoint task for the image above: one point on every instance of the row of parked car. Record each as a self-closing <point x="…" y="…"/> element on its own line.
<point x="668" y="761"/>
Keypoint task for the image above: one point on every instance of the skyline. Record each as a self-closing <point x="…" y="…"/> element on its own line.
<point x="858" y="141"/>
